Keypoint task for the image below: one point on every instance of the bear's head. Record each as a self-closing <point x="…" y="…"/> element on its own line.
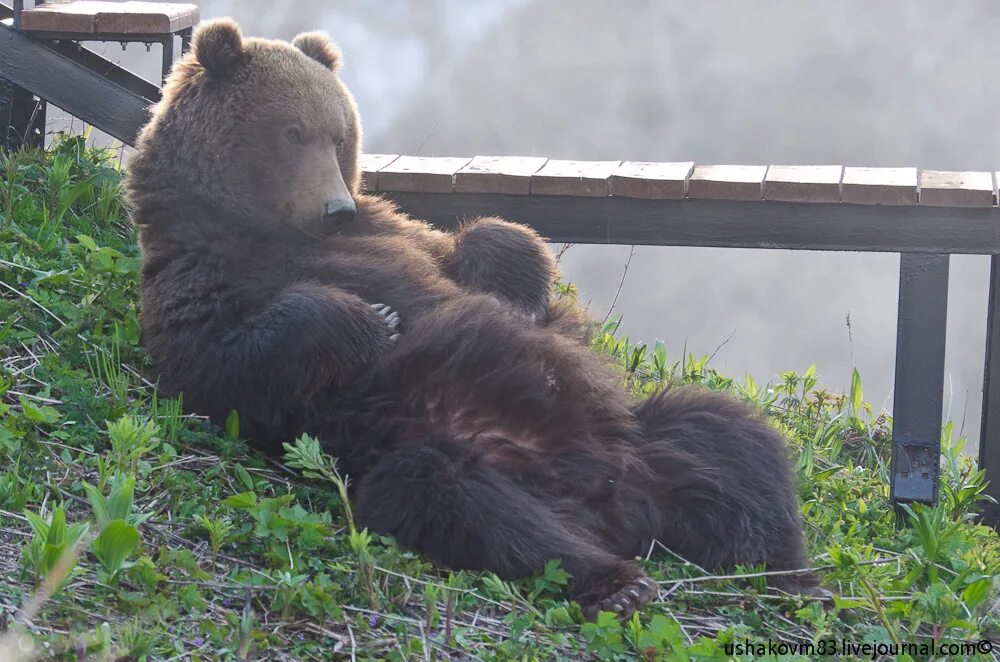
<point x="261" y="128"/>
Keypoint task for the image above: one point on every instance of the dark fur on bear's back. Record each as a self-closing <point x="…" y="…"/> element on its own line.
<point x="479" y="431"/>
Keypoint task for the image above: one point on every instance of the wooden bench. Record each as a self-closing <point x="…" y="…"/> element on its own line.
<point x="88" y="20"/>
<point x="924" y="215"/>
<point x="109" y="18"/>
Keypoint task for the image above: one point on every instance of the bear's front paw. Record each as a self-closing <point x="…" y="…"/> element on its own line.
<point x="622" y="593"/>
<point x="391" y="319"/>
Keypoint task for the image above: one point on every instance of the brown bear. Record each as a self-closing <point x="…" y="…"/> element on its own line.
<point x="475" y="426"/>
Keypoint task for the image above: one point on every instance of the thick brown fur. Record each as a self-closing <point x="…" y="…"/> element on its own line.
<point x="480" y="431"/>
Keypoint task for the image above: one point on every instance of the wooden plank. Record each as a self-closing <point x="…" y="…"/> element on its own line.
<point x="54" y="17"/>
<point x="727" y="182"/>
<point x="725" y="223"/>
<point x="577" y="178"/>
<point x="88" y="58"/>
<point x="421" y="174"/>
<point x="879" y="186"/>
<point x="803" y="183"/>
<point x="943" y="188"/>
<point x="131" y="17"/>
<point x="498" y="174"/>
<point x="146" y="17"/>
<point x="640" y="179"/>
<point x="369" y="165"/>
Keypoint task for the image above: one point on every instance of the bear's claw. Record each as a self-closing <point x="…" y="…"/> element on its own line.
<point x="623" y="596"/>
<point x="391" y="318"/>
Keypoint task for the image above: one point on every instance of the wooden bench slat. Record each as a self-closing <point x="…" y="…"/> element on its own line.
<point x="641" y="179"/>
<point x="579" y="178"/>
<point x="369" y="165"/>
<point x="498" y="174"/>
<point x="944" y="188"/>
<point x="148" y="18"/>
<point x="803" y="183"/>
<point x="879" y="186"/>
<point x="421" y="174"/>
<point x="512" y="175"/>
<point x="91" y="16"/>
<point x="54" y="17"/>
<point x="727" y="182"/>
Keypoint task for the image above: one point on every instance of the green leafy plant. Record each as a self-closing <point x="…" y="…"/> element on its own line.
<point x="112" y="547"/>
<point x="53" y="543"/>
<point x="118" y="503"/>
<point x="131" y="439"/>
<point x="218" y="529"/>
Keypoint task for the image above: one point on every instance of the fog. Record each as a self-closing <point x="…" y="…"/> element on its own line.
<point x="893" y="83"/>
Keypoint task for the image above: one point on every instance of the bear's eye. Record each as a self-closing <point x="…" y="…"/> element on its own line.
<point x="294" y="136"/>
<point x="340" y="145"/>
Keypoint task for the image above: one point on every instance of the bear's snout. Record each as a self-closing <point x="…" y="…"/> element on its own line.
<point x="339" y="211"/>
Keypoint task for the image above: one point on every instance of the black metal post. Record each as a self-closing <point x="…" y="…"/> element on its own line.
<point x="17" y="107"/>
<point x="186" y="40"/>
<point x="18" y="7"/>
<point x="989" y="438"/>
<point x="920" y="347"/>
<point x="168" y="55"/>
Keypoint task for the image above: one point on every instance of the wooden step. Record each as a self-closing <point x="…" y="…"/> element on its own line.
<point x="109" y="18"/>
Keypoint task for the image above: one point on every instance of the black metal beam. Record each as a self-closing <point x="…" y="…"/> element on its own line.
<point x="72" y="86"/>
<point x="722" y="223"/>
<point x="989" y="438"/>
<point x="919" y="388"/>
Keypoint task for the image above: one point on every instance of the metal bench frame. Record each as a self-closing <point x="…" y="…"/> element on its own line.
<point x="166" y="41"/>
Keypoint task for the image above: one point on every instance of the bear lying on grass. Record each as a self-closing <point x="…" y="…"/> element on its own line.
<point x="476" y="427"/>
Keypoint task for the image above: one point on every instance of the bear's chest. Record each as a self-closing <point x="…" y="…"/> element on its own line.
<point x="403" y="278"/>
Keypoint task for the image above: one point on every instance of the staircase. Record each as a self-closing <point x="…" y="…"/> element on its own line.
<point x="42" y="61"/>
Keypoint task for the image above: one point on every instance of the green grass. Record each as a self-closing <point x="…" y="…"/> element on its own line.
<point x="129" y="530"/>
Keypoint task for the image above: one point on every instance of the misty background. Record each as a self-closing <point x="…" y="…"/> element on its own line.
<point x="893" y="83"/>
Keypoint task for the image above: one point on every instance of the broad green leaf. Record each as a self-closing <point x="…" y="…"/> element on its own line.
<point x="120" y="501"/>
<point x="116" y="542"/>
<point x="98" y="504"/>
<point x="233" y="425"/>
<point x="975" y="593"/>
<point x="57" y="528"/>
<point x="857" y="394"/>
<point x="86" y="242"/>
<point x="241" y="500"/>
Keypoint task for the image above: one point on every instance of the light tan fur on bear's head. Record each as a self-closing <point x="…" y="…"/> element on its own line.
<point x="260" y="128"/>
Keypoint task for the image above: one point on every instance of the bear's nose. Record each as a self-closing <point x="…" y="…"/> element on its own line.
<point x="340" y="210"/>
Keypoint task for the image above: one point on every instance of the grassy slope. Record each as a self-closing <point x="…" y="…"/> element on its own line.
<point x="207" y="551"/>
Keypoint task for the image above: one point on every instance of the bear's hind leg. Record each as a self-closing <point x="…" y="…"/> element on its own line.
<point x="493" y="256"/>
<point x="438" y="498"/>
<point x="722" y="482"/>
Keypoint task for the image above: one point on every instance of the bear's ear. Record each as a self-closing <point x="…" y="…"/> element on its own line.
<point x="318" y="46"/>
<point x="218" y="45"/>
